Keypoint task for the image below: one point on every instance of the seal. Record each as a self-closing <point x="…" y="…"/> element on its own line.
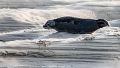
<point x="75" y="25"/>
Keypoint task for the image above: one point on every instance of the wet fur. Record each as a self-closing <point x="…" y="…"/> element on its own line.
<point x="77" y="25"/>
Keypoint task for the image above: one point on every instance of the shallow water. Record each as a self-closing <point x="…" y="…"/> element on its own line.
<point x="24" y="42"/>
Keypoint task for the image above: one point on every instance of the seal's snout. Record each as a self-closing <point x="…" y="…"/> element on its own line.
<point x="44" y="26"/>
<point x="49" y="24"/>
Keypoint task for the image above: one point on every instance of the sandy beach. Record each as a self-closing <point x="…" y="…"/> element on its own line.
<point x="24" y="43"/>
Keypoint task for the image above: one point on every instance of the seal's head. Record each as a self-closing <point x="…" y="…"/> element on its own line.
<point x="102" y="23"/>
<point x="49" y="24"/>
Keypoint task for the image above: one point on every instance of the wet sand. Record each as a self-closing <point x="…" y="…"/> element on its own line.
<point x="25" y="44"/>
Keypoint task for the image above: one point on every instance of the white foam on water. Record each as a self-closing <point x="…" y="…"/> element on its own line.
<point x="35" y="16"/>
<point x="38" y="17"/>
<point x="41" y="16"/>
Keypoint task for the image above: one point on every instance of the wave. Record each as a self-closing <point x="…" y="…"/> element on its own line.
<point x="22" y="34"/>
<point x="37" y="17"/>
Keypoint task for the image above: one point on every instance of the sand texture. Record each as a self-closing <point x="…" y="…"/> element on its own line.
<point x="24" y="43"/>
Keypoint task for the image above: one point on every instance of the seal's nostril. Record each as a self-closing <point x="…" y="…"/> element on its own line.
<point x="43" y="26"/>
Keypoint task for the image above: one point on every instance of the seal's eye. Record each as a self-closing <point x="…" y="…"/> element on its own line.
<point x="49" y="24"/>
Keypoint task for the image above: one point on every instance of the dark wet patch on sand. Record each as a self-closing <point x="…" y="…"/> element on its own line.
<point x="8" y="24"/>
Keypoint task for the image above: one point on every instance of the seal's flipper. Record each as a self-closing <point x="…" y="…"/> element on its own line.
<point x="102" y="23"/>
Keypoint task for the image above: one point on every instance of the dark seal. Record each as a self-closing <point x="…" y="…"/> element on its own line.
<point x="75" y="25"/>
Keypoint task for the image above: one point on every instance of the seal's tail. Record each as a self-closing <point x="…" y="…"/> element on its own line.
<point x="102" y="23"/>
